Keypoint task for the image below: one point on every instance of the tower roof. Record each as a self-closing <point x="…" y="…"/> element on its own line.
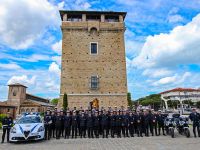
<point x="78" y="12"/>
<point x="17" y="84"/>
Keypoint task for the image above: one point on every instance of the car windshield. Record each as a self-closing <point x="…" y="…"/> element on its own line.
<point x="29" y="119"/>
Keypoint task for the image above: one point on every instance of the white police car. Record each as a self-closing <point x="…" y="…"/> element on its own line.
<point x="28" y="127"/>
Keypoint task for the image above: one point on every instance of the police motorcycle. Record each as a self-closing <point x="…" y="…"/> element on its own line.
<point x="170" y="125"/>
<point x="183" y="126"/>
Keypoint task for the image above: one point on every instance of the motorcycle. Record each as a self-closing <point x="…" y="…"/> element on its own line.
<point x="183" y="126"/>
<point x="170" y="125"/>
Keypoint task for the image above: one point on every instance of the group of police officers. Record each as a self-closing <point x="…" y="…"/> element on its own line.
<point x="95" y="123"/>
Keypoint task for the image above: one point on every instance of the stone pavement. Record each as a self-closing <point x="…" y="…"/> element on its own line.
<point x="136" y="143"/>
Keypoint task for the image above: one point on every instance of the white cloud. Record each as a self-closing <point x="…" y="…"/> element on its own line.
<point x="57" y="59"/>
<point x="175" y="18"/>
<point x="165" y="80"/>
<point x="9" y="66"/>
<point x="57" y="47"/>
<point x="156" y="72"/>
<point x="133" y="47"/>
<point x="180" y="46"/>
<point x="175" y="80"/>
<point x="61" y="5"/>
<point x="22" y="22"/>
<point x="23" y="79"/>
<point x="54" y="68"/>
<point x="36" y="58"/>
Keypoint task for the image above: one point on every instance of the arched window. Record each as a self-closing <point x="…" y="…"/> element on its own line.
<point x="22" y="110"/>
<point x="32" y="109"/>
<point x="93" y="30"/>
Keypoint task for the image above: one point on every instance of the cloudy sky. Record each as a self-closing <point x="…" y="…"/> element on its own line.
<point x="162" y="43"/>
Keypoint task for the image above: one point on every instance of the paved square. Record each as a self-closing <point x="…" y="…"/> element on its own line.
<point x="140" y="143"/>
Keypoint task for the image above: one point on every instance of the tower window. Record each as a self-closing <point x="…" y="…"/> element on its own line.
<point x="93" y="48"/>
<point x="94" y="82"/>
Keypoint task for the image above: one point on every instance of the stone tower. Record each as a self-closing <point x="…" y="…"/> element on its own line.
<point x="93" y="59"/>
<point x="16" y="94"/>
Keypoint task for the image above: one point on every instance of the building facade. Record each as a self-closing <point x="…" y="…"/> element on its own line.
<point x="93" y="59"/>
<point x="181" y="95"/>
<point x="19" y="101"/>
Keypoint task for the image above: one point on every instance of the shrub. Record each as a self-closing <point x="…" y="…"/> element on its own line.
<point x="2" y="116"/>
<point x="0" y="125"/>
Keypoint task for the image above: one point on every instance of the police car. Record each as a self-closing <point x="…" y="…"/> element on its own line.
<point x="28" y="127"/>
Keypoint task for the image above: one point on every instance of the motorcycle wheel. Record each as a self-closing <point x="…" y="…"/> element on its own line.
<point x="172" y="133"/>
<point x="167" y="131"/>
<point x="187" y="133"/>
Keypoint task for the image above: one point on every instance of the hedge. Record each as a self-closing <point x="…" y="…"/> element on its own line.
<point x="2" y="116"/>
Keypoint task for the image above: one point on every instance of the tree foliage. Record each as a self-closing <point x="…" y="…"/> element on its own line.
<point x="65" y="102"/>
<point x="154" y="100"/>
<point x="54" y="101"/>
<point x="130" y="103"/>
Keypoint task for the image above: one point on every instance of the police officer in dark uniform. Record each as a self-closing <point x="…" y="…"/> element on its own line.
<point x="62" y="122"/>
<point x="152" y="122"/>
<point x="139" y="123"/>
<point x="112" y="124"/>
<point x="119" y="124"/>
<point x="58" y="125"/>
<point x="96" y="124"/>
<point x="100" y="117"/>
<point x="47" y="125"/>
<point x="74" y="124"/>
<point x="160" y="120"/>
<point x="53" y="125"/>
<point x="146" y="123"/>
<point x="82" y="120"/>
<point x="131" y="124"/>
<point x="195" y="118"/>
<point x="6" y="124"/>
<point x="125" y="124"/>
<point x="67" y="124"/>
<point x="105" y="124"/>
<point x="89" y="124"/>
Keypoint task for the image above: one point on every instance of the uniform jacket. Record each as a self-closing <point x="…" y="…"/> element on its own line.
<point x="119" y="120"/>
<point x="113" y="121"/>
<point x="89" y="121"/>
<point x="58" y="121"/>
<point x="104" y="120"/>
<point x="82" y="120"/>
<point x="75" y="121"/>
<point x="47" y="119"/>
<point x="7" y="122"/>
<point x="125" y="120"/>
<point x="67" y="121"/>
<point x="96" y="121"/>
<point x="195" y="117"/>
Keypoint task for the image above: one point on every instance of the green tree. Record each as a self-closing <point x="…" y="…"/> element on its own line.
<point x="54" y="101"/>
<point x="154" y="100"/>
<point x="130" y="103"/>
<point x="65" y="102"/>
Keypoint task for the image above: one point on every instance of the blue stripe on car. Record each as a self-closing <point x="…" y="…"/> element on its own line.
<point x="34" y="127"/>
<point x="21" y="129"/>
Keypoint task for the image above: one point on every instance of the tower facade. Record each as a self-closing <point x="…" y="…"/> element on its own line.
<point x="16" y="95"/>
<point x="93" y="59"/>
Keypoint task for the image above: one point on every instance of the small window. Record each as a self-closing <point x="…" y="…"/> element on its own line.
<point x="94" y="82"/>
<point x="94" y="48"/>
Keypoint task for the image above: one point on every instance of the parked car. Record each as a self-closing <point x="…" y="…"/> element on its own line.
<point x="28" y="127"/>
